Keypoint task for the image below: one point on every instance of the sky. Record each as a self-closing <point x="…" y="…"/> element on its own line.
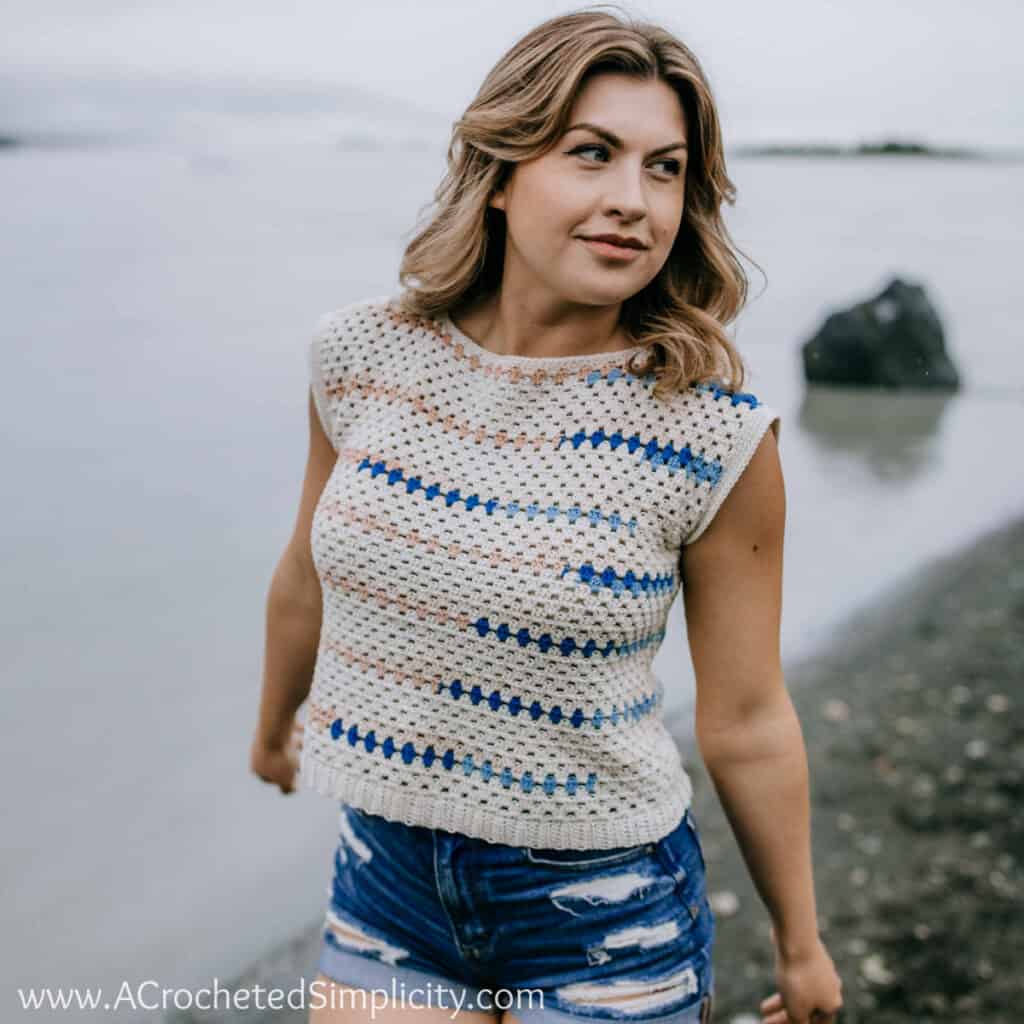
<point x="935" y="71"/>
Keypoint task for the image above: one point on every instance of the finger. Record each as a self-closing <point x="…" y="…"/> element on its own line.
<point x="776" y="1018"/>
<point x="772" y="1003"/>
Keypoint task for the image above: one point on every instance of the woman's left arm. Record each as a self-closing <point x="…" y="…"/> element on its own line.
<point x="746" y="727"/>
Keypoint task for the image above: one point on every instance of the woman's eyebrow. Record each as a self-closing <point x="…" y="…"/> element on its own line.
<point x="616" y="143"/>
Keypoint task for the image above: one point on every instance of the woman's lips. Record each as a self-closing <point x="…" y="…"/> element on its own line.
<point x="617" y="252"/>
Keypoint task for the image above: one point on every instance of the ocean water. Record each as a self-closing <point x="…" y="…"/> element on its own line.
<point x="158" y="303"/>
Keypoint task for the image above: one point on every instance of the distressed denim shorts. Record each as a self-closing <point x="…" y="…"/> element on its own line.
<point x="548" y="935"/>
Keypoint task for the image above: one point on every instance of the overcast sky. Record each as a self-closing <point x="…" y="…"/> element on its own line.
<point x="936" y="70"/>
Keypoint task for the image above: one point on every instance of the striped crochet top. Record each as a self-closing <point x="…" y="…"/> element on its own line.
<point x="498" y="546"/>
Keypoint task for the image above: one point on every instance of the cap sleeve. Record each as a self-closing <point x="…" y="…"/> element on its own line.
<point x="342" y="347"/>
<point x="729" y="426"/>
<point x="319" y="357"/>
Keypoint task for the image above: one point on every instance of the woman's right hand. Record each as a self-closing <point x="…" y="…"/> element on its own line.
<point x="277" y="764"/>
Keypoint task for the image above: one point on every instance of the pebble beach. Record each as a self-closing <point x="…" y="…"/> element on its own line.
<point x="915" y="747"/>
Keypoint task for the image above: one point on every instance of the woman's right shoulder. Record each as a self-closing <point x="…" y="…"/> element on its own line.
<point x="345" y="343"/>
<point x="358" y="316"/>
<point x="341" y="335"/>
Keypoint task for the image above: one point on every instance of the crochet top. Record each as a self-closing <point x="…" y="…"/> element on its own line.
<point x="498" y="546"/>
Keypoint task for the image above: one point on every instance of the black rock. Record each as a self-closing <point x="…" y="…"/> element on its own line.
<point x="894" y="340"/>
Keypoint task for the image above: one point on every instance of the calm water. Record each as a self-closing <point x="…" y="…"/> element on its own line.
<point x="158" y="305"/>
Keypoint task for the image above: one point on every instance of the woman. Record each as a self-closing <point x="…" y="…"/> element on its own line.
<point x="513" y="467"/>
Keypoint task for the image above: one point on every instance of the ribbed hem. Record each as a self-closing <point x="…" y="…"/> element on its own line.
<point x="455" y="815"/>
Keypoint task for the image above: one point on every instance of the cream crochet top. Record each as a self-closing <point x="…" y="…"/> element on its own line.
<point x="498" y="546"/>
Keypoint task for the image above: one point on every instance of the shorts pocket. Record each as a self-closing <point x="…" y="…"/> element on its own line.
<point x="680" y="855"/>
<point x="583" y="860"/>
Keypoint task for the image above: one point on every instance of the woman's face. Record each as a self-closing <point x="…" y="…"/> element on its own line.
<point x="590" y="185"/>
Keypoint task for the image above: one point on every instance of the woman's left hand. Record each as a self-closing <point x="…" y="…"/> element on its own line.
<point x="810" y="990"/>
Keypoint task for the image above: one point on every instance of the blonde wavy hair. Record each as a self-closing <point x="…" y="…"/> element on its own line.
<point x="520" y="111"/>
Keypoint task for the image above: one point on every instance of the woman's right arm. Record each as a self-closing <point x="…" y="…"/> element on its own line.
<point x="294" y="610"/>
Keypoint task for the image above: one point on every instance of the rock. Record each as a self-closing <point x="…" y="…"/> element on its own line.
<point x="835" y="710"/>
<point x="724" y="903"/>
<point x="894" y="340"/>
<point x="976" y="749"/>
<point x="874" y="970"/>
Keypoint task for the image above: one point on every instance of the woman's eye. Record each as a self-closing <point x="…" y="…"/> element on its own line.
<point x="593" y="145"/>
<point x="673" y="165"/>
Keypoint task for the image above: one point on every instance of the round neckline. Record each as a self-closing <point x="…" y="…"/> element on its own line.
<point x="511" y="359"/>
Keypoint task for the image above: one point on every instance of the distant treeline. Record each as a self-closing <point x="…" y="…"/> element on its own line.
<point x="891" y="148"/>
<point x="811" y="149"/>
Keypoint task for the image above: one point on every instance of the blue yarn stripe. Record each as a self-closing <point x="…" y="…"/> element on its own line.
<point x="735" y="396"/>
<point x="450" y="760"/>
<point x="495" y="701"/>
<point x="666" y="455"/>
<point x="629" y="582"/>
<point x="567" y="645"/>
<point x="652" y="452"/>
<point x="616" y="373"/>
<point x="493" y="505"/>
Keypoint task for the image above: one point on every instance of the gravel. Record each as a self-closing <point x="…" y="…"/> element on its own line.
<point x="915" y="744"/>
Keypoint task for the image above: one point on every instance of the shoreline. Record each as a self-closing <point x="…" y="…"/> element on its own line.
<point x="915" y="749"/>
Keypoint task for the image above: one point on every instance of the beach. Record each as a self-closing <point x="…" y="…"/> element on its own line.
<point x="915" y="748"/>
<point x="184" y="489"/>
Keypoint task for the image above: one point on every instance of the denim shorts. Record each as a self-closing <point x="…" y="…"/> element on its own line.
<point x="548" y="935"/>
